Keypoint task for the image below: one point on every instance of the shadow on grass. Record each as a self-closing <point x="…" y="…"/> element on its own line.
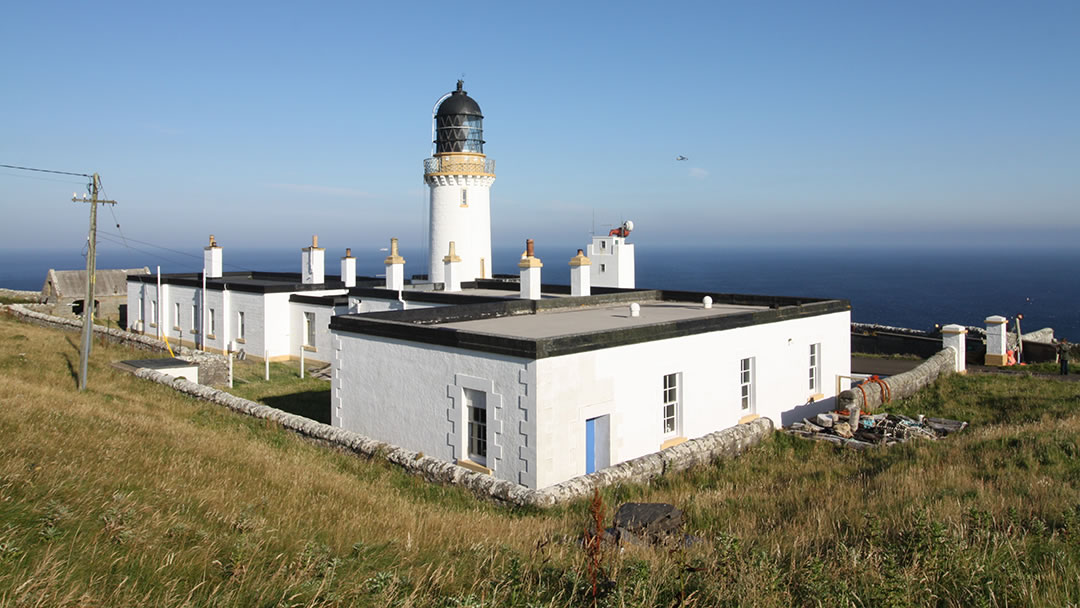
<point x="309" y="404"/>
<point x="71" y="370"/>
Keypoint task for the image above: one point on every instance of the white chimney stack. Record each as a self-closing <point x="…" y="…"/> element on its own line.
<point x="530" y="266"/>
<point x="580" y="285"/>
<point x="452" y="270"/>
<point x="311" y="263"/>
<point x="395" y="268"/>
<point x="348" y="269"/>
<point x="212" y="260"/>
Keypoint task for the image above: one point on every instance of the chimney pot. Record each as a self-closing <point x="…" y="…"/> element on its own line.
<point x="212" y="243"/>
<point x="529" y="250"/>
<point x="348" y="252"/>
<point x="314" y="240"/>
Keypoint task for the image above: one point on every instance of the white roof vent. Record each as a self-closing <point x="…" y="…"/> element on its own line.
<point x="707" y="301"/>
<point x="635" y="310"/>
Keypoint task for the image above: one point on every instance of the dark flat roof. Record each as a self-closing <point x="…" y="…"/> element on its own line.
<point x="535" y="329"/>
<point x="251" y="281"/>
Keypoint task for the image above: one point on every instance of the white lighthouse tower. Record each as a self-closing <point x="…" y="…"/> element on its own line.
<point x="460" y="178"/>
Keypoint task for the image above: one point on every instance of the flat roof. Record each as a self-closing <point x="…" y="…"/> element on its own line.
<point x="535" y="329"/>
<point x="600" y="318"/>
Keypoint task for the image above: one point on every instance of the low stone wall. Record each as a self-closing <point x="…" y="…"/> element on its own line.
<point x="727" y="443"/>
<point x="212" y="367"/>
<point x="33" y="296"/>
<point x="872" y="394"/>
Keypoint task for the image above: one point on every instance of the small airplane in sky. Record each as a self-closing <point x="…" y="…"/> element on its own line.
<point x="681" y="157"/>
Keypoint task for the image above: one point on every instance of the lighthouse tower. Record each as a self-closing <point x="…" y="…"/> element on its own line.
<point x="460" y="177"/>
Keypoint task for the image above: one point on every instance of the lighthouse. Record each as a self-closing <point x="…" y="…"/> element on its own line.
<point x="459" y="177"/>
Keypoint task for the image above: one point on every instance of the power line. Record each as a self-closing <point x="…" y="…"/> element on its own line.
<point x="43" y="179"/>
<point x="157" y="255"/>
<point x="46" y="171"/>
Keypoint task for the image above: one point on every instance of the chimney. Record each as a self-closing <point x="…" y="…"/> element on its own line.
<point x="580" y="285"/>
<point x="348" y="269"/>
<point x="452" y="270"/>
<point x="212" y="260"/>
<point x="530" y="273"/>
<point x="395" y="268"/>
<point x="311" y="263"/>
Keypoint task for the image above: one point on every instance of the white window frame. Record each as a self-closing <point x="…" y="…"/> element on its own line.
<point x="747" y="394"/>
<point x="241" y="330"/>
<point x="195" y="318"/>
<point x="476" y="425"/>
<point x="815" y="367"/>
<point x="309" y="329"/>
<point x="671" y="411"/>
<point x="176" y="321"/>
<point x="153" y="312"/>
<point x="212" y="321"/>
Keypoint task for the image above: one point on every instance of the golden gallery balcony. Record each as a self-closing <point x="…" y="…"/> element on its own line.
<point x="459" y="163"/>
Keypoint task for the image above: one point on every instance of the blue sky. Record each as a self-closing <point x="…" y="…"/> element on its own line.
<point x="857" y="123"/>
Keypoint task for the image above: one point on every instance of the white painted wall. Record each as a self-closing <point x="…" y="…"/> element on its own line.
<point x="626" y="383"/>
<point x="410" y="394"/>
<point x="468" y="226"/>
<point x="323" y="350"/>
<point x="268" y="319"/>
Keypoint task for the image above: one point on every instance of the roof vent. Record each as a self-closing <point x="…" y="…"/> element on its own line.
<point x="707" y="301"/>
<point x="635" y="310"/>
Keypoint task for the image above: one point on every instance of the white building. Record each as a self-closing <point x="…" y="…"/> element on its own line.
<point x="528" y="382"/>
<point x="613" y="258"/>
<point x="540" y="391"/>
<point x="265" y="314"/>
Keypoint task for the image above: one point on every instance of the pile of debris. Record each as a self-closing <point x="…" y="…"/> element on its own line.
<point x="864" y="430"/>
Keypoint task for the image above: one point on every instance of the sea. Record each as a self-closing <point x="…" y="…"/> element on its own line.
<point x="915" y="288"/>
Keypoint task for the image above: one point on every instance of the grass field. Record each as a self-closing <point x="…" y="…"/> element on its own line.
<point x="131" y="495"/>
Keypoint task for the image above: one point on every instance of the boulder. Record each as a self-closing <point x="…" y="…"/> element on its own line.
<point x="648" y="521"/>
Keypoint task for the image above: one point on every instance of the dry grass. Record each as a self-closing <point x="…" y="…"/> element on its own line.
<point x="129" y="494"/>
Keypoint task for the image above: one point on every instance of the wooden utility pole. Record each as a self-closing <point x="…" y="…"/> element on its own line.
<point x="91" y="262"/>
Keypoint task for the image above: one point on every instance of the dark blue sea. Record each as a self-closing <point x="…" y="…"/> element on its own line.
<point x="913" y="288"/>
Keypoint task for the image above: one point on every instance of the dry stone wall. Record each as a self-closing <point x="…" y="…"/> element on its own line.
<point x="727" y="443"/>
<point x="213" y="368"/>
<point x="873" y="394"/>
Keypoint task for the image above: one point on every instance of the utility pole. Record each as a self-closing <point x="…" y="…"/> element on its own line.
<point x="91" y="261"/>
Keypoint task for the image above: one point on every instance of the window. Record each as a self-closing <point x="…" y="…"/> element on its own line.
<point x="309" y="329"/>
<point x="176" y="317"/>
<point x="815" y="367"/>
<point x="464" y="197"/>
<point x="603" y="267"/>
<point x="213" y="322"/>
<point x="476" y="410"/>
<point x="153" y="312"/>
<point x="194" y="317"/>
<point x="603" y="245"/>
<point x="746" y="383"/>
<point x="240" y="329"/>
<point x="671" y="403"/>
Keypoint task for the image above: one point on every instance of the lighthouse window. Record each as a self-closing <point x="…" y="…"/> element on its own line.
<point x="464" y="197"/>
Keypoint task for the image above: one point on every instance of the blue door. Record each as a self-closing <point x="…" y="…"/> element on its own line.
<point x="590" y="445"/>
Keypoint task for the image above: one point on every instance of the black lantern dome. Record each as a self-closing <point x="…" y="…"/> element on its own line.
<point x="459" y="125"/>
